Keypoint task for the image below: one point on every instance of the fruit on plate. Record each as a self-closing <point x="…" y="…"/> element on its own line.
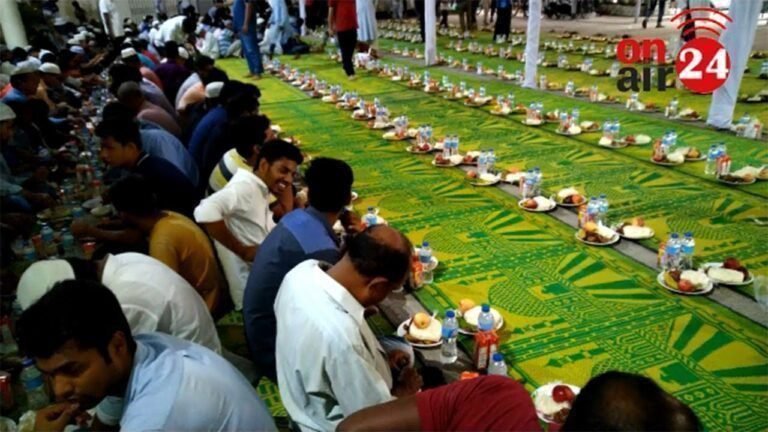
<point x="555" y="405"/>
<point x="688" y="114"/>
<point x="635" y="229"/>
<point x="570" y="196"/>
<point x="442" y="160"/>
<point x="693" y="153"/>
<point x="421" y="320"/>
<point x="589" y="126"/>
<point x="594" y="233"/>
<point x="562" y="393"/>
<point x="538" y="203"/>
<point x="472" y="175"/>
<point x="471" y="157"/>
<point x="686" y="281"/>
<point x="421" y="148"/>
<point x="423" y="329"/>
<point x="530" y="204"/>
<point x="465" y="305"/>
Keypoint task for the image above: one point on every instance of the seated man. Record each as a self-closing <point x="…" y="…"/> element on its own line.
<point x="320" y="310"/>
<point x="486" y="403"/>
<point x="300" y="235"/>
<point x="120" y="73"/>
<point x="121" y="147"/>
<point x="247" y="135"/>
<point x="238" y="217"/>
<point x="173" y="239"/>
<point x="130" y="95"/>
<point x="131" y="58"/>
<point x="81" y="340"/>
<point x="153" y="297"/>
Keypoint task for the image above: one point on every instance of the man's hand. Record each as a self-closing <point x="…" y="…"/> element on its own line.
<point x="351" y="222"/>
<point x="331" y="29"/>
<point x="244" y="30"/>
<point x="248" y="253"/>
<point x="409" y="383"/>
<point x="81" y="228"/>
<point x="55" y="417"/>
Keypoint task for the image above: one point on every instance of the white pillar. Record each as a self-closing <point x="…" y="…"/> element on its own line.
<point x="10" y="22"/>
<point x="303" y="16"/>
<point x="532" y="43"/>
<point x="737" y="38"/>
<point x="430" y="33"/>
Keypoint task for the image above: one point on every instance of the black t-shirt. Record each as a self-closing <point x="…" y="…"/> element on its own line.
<point x="174" y="190"/>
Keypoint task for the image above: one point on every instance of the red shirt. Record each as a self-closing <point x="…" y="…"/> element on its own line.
<point x="486" y="403"/>
<point x="345" y="15"/>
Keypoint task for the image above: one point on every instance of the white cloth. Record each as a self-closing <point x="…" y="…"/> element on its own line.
<point x="186" y="85"/>
<point x="366" y="21"/>
<point x="278" y="21"/>
<point x="329" y="363"/>
<point x="430" y="33"/>
<point x="243" y="205"/>
<point x="111" y="8"/>
<point x="737" y="39"/>
<point x="209" y="45"/>
<point x="532" y="43"/>
<point x="154" y="37"/>
<point x="172" y="30"/>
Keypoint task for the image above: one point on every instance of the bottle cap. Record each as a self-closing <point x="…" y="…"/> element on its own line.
<point x="28" y="362"/>
<point x="675" y="235"/>
<point x="497" y="357"/>
<point x="425" y="244"/>
<point x="450" y="314"/>
<point x="486" y="307"/>
<point x="689" y="234"/>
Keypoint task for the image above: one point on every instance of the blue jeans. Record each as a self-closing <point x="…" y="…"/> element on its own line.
<point x="251" y="52"/>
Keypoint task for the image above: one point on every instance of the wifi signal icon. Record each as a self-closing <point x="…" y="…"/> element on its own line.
<point x="689" y="25"/>
<point x="703" y="64"/>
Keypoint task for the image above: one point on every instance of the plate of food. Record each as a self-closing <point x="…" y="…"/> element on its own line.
<point x="537" y="204"/>
<point x="635" y="229"/>
<point x="421" y="331"/>
<point x="361" y="114"/>
<point x="672" y="159"/>
<point x="688" y="114"/>
<point x="330" y="99"/>
<point x="102" y="210"/>
<point x="486" y="179"/>
<point x="637" y="140"/>
<point x="419" y="148"/>
<point x="394" y="136"/>
<point x="692" y="154"/>
<point x="380" y="125"/>
<point x="477" y="101"/>
<point x="573" y="130"/>
<point x="589" y="126"/>
<point x="532" y="122"/>
<point x="570" y="197"/>
<point x="471" y="158"/>
<point x="92" y="203"/>
<point x="758" y="173"/>
<point x="736" y="180"/>
<point x="55" y="213"/>
<point x="553" y="401"/>
<point x="597" y="235"/>
<point x="445" y="162"/>
<point x="612" y="143"/>
<point x="729" y="272"/>
<point x="468" y="315"/>
<point x="686" y="282"/>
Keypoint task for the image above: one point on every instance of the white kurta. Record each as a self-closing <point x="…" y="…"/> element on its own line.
<point x="737" y="40"/>
<point x="278" y="21"/>
<point x="366" y="20"/>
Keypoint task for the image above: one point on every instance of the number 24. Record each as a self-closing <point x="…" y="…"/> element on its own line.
<point x="717" y="65"/>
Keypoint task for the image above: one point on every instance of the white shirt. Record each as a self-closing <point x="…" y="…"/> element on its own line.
<point x="171" y="30"/>
<point x="243" y="205"/>
<point x="109" y="7"/>
<point x="154" y="298"/>
<point x="154" y="37"/>
<point x="329" y="363"/>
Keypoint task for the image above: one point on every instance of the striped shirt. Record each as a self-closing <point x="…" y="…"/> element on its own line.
<point x="225" y="169"/>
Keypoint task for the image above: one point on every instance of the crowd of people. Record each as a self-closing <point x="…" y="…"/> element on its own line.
<point x="214" y="213"/>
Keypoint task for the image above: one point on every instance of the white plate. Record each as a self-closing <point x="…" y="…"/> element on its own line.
<point x="537" y="210"/>
<point x="737" y="183"/>
<point x="354" y="117"/>
<point x="355" y="196"/>
<point x="390" y="136"/>
<point x="641" y="139"/>
<point x="434" y="262"/>
<point x="448" y="165"/>
<point x="532" y="123"/>
<point x="570" y="132"/>
<point x="410" y="150"/>
<point x="92" y="203"/>
<point x="547" y="389"/>
<point x="484" y="183"/>
<point x="622" y="144"/>
<point x="615" y="240"/>
<point x="709" y="265"/>
<point x="382" y="126"/>
<point x="101" y="210"/>
<point x="475" y="313"/>
<point x="666" y="163"/>
<point x="651" y="235"/>
<point x="706" y="290"/>
<point x="401" y="333"/>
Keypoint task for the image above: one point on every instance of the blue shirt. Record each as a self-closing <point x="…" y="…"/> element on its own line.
<point x="204" y="138"/>
<point x="300" y="235"/>
<point x="174" y="190"/>
<point x="238" y="16"/>
<point x="158" y="142"/>
<point x="15" y="95"/>
<point x="181" y="386"/>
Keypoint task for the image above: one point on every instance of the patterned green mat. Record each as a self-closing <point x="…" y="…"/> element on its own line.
<point x="750" y="84"/>
<point x="571" y="311"/>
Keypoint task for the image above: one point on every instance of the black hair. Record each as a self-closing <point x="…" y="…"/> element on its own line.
<point x="117" y="109"/>
<point x="189" y="24"/>
<point x="162" y="16"/>
<point x="247" y="132"/>
<point x="372" y="257"/>
<point x="121" y="73"/>
<point x="134" y="195"/>
<point x="202" y="61"/>
<point x="171" y="50"/>
<point x="215" y="75"/>
<point x="120" y="129"/>
<point x="84" y="312"/>
<point x="140" y="44"/>
<point x="84" y="270"/>
<point x="48" y="58"/>
<point x="620" y="401"/>
<point x="330" y="184"/>
<point x="239" y="98"/>
<point x="18" y="80"/>
<point x="18" y="54"/>
<point x="279" y="149"/>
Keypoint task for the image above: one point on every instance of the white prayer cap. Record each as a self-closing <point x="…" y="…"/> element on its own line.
<point x="59" y="21"/>
<point x="213" y="90"/>
<point x="77" y="49"/>
<point x="127" y="52"/>
<point x="50" y="68"/>
<point x="39" y="278"/>
<point x="24" y="67"/>
<point x="183" y="53"/>
<point x="6" y="113"/>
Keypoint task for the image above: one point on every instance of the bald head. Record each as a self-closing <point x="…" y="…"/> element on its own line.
<point x="129" y="93"/>
<point x="381" y="251"/>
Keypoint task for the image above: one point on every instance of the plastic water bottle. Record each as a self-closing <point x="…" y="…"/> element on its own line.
<point x="497" y="366"/>
<point x="673" y="107"/>
<point x="455" y="144"/>
<point x="67" y="242"/>
<point x="575" y="114"/>
<point x="673" y="138"/>
<point x="528" y="186"/>
<point x="608" y="130"/>
<point x="602" y="209"/>
<point x="371" y="218"/>
<point x="425" y="257"/>
<point x="490" y="163"/>
<point x="482" y="162"/>
<point x="537" y="179"/>
<point x="481" y="93"/>
<point x="485" y="320"/>
<point x="711" y="166"/>
<point x="616" y="129"/>
<point x="46" y="233"/>
<point x="672" y="252"/>
<point x="33" y="385"/>
<point x="449" y="352"/>
<point x="686" y="251"/>
<point x="593" y="210"/>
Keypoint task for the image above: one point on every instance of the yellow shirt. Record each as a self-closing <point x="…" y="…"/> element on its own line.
<point x="183" y="246"/>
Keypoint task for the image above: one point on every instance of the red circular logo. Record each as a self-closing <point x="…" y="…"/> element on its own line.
<point x="703" y="65"/>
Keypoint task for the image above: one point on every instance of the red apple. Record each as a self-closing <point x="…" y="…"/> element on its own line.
<point x="562" y="393"/>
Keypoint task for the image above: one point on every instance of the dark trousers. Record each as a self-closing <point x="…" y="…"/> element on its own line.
<point x="420" y="11"/>
<point x="503" y="22"/>
<point x="444" y="19"/>
<point x="651" y="5"/>
<point x="347" y="42"/>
